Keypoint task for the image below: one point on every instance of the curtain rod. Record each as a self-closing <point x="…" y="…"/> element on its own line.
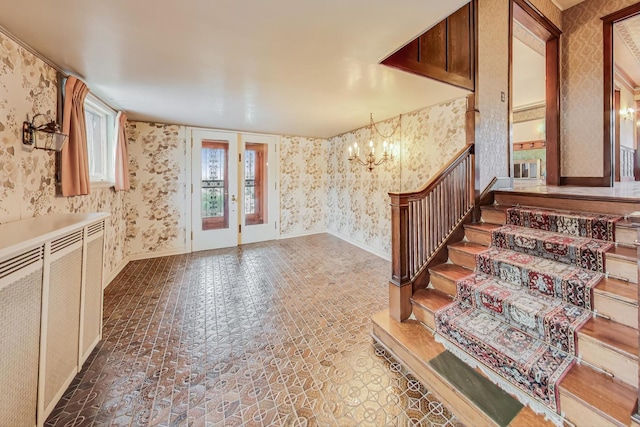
<point x="47" y="61"/>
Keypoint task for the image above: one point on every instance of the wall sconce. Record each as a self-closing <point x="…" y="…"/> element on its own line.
<point x="46" y="136"/>
<point x="628" y="113"/>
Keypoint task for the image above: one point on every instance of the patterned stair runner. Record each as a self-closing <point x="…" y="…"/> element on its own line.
<point x="519" y="313"/>
<point x="569" y="283"/>
<point x="518" y="362"/>
<point x="582" y="224"/>
<point x="543" y="317"/>
<point x="580" y="251"/>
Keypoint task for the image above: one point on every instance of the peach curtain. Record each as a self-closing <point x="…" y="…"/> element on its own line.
<point x="122" y="155"/>
<point x="74" y="161"/>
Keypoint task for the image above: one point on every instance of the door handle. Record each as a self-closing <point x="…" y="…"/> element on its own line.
<point x="233" y="198"/>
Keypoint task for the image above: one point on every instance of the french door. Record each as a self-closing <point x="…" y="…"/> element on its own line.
<point x="234" y="189"/>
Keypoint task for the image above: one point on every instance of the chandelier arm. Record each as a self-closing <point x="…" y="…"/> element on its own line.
<point x="395" y="128"/>
<point x="359" y="161"/>
<point x="382" y="160"/>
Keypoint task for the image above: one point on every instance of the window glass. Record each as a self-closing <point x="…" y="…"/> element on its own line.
<point x="100" y="126"/>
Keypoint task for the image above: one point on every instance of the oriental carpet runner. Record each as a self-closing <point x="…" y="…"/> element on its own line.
<point x="517" y="315"/>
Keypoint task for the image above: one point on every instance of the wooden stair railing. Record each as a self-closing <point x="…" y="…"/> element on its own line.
<point x="421" y="224"/>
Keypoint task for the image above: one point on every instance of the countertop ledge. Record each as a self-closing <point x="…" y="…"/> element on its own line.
<point x="25" y="234"/>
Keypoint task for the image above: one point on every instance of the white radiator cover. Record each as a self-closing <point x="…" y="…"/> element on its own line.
<point x="50" y="309"/>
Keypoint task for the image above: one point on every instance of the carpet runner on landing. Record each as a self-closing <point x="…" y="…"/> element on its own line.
<point x="593" y="225"/>
<point x="517" y="316"/>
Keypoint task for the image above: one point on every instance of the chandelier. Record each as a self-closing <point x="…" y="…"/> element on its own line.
<point x="387" y="149"/>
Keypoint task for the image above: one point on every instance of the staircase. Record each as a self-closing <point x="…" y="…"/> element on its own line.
<point x="600" y="389"/>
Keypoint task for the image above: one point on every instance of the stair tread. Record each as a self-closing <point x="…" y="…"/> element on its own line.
<point x="599" y="391"/>
<point x="625" y="223"/>
<point x="620" y="338"/>
<point x="468" y="247"/>
<point x="451" y="271"/>
<point x="482" y="226"/>
<point x="618" y="289"/>
<point x="623" y="252"/>
<point x="430" y="299"/>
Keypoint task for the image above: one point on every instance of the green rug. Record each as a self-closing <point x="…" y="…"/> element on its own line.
<point x="494" y="402"/>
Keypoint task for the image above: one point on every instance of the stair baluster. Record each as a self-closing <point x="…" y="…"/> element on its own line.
<point x="422" y="222"/>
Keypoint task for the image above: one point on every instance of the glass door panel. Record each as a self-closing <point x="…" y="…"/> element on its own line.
<point x="215" y="185"/>
<point x="214" y="190"/>
<point x="259" y="192"/>
<point x="256" y="184"/>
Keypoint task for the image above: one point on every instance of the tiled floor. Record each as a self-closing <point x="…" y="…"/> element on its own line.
<point x="273" y="333"/>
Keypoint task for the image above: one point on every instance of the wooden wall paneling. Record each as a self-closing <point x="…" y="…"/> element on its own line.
<point x="445" y="53"/>
<point x="433" y="46"/>
<point x="459" y="42"/>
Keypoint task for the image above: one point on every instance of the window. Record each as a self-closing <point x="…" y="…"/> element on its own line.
<point x="100" y="121"/>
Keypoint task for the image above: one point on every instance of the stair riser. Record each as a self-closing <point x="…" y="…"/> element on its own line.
<point x="444" y="284"/>
<point x="463" y="259"/>
<point x="553" y="202"/>
<point x="623" y="368"/>
<point x="617" y="267"/>
<point x="424" y="315"/>
<point x="581" y="414"/>
<point x="622" y="268"/>
<point x="493" y="216"/>
<point x="619" y="311"/>
<point x="626" y="236"/>
<point x="477" y="236"/>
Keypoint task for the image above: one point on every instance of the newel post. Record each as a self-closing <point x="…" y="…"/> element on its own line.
<point x="400" y="286"/>
<point x="635" y="220"/>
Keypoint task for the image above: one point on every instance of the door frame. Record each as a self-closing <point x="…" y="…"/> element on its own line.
<point x="544" y="29"/>
<point x="189" y="171"/>
<point x="609" y="155"/>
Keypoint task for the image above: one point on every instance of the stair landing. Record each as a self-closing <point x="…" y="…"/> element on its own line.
<point x="474" y="399"/>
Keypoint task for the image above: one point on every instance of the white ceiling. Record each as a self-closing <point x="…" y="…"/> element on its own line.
<point x="290" y="67"/>
<point x="566" y="4"/>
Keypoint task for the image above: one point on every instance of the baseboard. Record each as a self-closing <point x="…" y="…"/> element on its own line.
<point x="147" y="255"/>
<point x="378" y="252"/>
<point x="306" y="233"/>
<point x="112" y="275"/>
<point x="585" y="181"/>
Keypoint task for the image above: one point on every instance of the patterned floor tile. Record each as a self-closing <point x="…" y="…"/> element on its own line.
<point x="267" y="334"/>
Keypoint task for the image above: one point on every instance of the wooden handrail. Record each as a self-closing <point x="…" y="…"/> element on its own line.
<point x="422" y="222"/>
<point x="438" y="176"/>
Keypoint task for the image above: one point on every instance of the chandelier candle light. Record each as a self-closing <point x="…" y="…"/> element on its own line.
<point x="370" y="159"/>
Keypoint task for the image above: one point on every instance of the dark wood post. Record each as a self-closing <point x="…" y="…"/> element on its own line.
<point x="400" y="287"/>
<point x="635" y="220"/>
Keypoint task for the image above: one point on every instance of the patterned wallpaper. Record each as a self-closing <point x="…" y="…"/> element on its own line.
<point x="492" y="140"/>
<point x="158" y="197"/>
<point x="581" y="87"/>
<point x="493" y="68"/>
<point x="358" y="200"/>
<point x="27" y="178"/>
<point x="303" y="185"/>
